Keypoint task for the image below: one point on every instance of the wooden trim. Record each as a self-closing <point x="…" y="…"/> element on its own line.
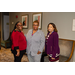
<point x="66" y="39"/>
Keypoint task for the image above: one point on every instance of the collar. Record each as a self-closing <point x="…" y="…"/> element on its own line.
<point x="36" y="31"/>
<point x="53" y="31"/>
<point x="49" y="32"/>
<point x="17" y="30"/>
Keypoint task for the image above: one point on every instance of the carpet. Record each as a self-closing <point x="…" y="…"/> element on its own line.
<point x="7" y="56"/>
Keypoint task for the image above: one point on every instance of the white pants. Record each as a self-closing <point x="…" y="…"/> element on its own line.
<point x="35" y="58"/>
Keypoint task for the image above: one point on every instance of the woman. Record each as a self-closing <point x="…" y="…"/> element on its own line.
<point x="35" y="43"/>
<point x="18" y="40"/>
<point x="52" y="44"/>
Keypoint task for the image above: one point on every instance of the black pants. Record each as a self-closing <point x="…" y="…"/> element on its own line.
<point x="42" y="57"/>
<point x="18" y="58"/>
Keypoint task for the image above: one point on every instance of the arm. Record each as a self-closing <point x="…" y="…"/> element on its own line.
<point x="55" y="45"/>
<point x="42" y="41"/>
<point x="15" y="43"/>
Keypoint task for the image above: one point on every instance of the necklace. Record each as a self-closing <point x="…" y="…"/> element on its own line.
<point x="49" y="35"/>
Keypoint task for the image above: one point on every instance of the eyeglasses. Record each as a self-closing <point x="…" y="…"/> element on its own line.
<point x="35" y="25"/>
<point x="19" y="25"/>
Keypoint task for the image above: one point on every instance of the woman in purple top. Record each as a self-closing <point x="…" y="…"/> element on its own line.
<point x="51" y="44"/>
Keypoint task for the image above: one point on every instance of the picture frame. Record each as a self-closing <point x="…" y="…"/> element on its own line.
<point x="37" y="16"/>
<point x="25" y="21"/>
<point x="73" y="25"/>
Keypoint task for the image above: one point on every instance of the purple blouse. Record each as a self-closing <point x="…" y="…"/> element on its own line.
<point x="52" y="45"/>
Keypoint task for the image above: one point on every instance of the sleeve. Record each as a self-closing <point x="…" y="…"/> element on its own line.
<point x="42" y="42"/>
<point x="16" y="40"/>
<point x="55" y="47"/>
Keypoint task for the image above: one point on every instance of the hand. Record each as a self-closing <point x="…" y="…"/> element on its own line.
<point x="53" y="58"/>
<point x="18" y="53"/>
<point x="38" y="52"/>
<point x="48" y="54"/>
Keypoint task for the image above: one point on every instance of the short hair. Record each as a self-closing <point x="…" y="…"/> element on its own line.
<point x="36" y="22"/>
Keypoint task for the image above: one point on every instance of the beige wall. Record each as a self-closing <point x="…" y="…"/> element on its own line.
<point x="63" y="21"/>
<point x="14" y="19"/>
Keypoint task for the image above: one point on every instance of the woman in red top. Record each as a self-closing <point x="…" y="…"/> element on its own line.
<point x="19" y="43"/>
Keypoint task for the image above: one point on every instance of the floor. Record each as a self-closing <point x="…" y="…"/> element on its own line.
<point x="7" y="56"/>
<point x="61" y="58"/>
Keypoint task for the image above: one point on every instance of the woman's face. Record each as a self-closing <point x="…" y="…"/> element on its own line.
<point x="19" y="26"/>
<point x="35" y="26"/>
<point x="50" y="28"/>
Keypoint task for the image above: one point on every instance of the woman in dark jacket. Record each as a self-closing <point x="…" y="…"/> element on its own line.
<point x="52" y="43"/>
<point x="19" y="43"/>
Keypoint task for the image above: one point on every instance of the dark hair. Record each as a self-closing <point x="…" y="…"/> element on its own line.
<point x="12" y="31"/>
<point x="54" y="26"/>
<point x="16" y="24"/>
<point x="36" y="22"/>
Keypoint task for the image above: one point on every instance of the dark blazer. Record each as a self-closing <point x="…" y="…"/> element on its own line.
<point x="52" y="46"/>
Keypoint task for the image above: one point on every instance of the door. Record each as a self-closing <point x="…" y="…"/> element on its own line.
<point x="0" y="30"/>
<point x="6" y="26"/>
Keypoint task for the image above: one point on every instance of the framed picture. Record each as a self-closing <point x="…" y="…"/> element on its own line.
<point x="73" y="26"/>
<point x="25" y="21"/>
<point x="38" y="16"/>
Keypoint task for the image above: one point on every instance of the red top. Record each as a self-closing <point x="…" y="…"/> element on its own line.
<point x="18" y="40"/>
